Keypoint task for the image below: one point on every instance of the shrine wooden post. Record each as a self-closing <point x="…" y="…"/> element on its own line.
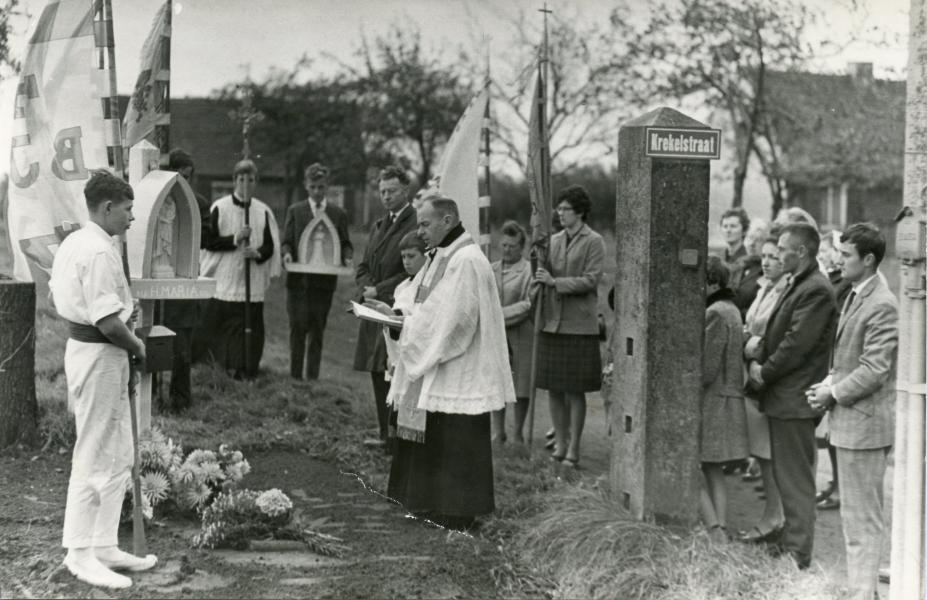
<point x="662" y="234"/>
<point x="164" y="263"/>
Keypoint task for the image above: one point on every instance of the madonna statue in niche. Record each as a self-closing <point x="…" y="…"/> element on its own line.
<point x="162" y="254"/>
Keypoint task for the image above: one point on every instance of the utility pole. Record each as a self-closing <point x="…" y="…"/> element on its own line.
<point x="907" y="569"/>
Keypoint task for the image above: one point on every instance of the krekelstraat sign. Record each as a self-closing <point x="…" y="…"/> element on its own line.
<point x="675" y="142"/>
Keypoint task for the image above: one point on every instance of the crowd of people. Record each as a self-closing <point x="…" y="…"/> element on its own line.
<point x="798" y="327"/>
<point x="808" y="345"/>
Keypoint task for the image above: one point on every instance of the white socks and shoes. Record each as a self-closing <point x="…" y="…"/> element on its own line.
<point x="114" y="558"/>
<point x="85" y="566"/>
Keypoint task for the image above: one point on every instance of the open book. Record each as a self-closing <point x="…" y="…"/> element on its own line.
<point x="368" y="314"/>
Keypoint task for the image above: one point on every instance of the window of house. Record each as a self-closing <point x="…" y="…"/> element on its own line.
<point x="219" y="189"/>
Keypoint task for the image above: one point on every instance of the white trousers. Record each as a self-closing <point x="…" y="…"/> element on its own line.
<point x="98" y="380"/>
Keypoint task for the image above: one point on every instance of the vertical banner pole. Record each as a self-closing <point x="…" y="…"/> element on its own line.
<point x="539" y="251"/>
<point x="106" y="62"/>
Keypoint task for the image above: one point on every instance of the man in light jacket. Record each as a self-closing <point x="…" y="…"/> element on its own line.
<point x="860" y="392"/>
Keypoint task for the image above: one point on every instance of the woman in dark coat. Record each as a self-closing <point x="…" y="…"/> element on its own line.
<point x="723" y="424"/>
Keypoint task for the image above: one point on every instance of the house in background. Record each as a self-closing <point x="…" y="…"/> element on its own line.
<point x="203" y="128"/>
<point x="841" y="144"/>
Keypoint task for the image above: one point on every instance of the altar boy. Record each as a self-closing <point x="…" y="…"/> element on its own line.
<point x="309" y="295"/>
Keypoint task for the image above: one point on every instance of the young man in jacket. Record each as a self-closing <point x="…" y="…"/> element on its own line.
<point x="309" y="295"/>
<point x="859" y="393"/>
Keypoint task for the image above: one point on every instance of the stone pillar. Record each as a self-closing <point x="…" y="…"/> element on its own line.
<point x="907" y="560"/>
<point x="662" y="234"/>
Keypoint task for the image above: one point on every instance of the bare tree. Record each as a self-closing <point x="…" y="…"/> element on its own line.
<point x="585" y="105"/>
<point x="723" y="50"/>
<point x="8" y="64"/>
<point x="411" y="99"/>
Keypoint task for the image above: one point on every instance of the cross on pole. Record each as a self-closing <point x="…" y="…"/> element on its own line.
<point x="248" y="116"/>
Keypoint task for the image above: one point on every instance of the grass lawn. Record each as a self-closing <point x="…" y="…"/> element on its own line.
<point x="554" y="534"/>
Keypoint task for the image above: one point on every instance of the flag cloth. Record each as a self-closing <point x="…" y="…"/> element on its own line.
<point x="460" y="164"/>
<point x="538" y="169"/>
<point x="58" y="134"/>
<point x="148" y="106"/>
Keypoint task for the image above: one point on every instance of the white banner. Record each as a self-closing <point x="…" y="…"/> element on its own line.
<point x="459" y="171"/>
<point x="57" y="134"/>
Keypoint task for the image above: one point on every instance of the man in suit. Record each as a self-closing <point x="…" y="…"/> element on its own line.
<point x="377" y="276"/>
<point x="791" y="356"/>
<point x="860" y="392"/>
<point x="309" y="295"/>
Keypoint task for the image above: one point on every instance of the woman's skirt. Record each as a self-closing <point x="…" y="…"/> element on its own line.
<point x="723" y="429"/>
<point x="569" y="363"/>
<point x="451" y="473"/>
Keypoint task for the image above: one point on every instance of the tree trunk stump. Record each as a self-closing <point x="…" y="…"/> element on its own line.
<point x="19" y="410"/>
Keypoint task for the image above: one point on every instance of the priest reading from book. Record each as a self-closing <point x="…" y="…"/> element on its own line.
<point x="452" y="371"/>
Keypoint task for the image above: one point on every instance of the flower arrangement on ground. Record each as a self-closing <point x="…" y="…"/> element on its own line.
<point x="187" y="484"/>
<point x="237" y="517"/>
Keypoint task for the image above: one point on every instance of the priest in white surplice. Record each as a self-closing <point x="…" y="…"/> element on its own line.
<point x="452" y="372"/>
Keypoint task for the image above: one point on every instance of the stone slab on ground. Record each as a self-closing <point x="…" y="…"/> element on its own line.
<point x="304" y="560"/>
<point x="171" y="578"/>
<point x="307" y="581"/>
<point x="403" y="558"/>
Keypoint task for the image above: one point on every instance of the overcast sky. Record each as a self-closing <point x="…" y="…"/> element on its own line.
<point x="218" y="41"/>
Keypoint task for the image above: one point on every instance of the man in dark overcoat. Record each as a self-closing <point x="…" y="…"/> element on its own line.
<point x="791" y="357"/>
<point x="377" y="276"/>
<point x="309" y="295"/>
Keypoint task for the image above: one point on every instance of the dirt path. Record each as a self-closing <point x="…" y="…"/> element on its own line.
<point x="390" y="555"/>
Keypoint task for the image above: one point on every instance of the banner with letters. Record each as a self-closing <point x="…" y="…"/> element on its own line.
<point x="58" y="134"/>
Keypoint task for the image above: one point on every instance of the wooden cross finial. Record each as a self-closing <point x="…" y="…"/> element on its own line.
<point x="247" y="115"/>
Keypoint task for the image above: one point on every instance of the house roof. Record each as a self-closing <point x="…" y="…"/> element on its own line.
<point x="202" y="127"/>
<point x="838" y="128"/>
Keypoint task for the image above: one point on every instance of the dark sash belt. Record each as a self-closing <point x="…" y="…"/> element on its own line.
<point x="86" y="333"/>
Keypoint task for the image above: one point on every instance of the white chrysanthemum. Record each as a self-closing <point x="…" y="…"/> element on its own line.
<point x="233" y="473"/>
<point x="273" y="503"/>
<point x="211" y="471"/>
<point x="155" y="487"/>
<point x="197" y="495"/>
<point x="200" y="456"/>
<point x="183" y="475"/>
<point x="237" y="456"/>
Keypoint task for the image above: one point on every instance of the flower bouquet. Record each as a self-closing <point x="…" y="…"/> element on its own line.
<point x="237" y="517"/>
<point x="168" y="479"/>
